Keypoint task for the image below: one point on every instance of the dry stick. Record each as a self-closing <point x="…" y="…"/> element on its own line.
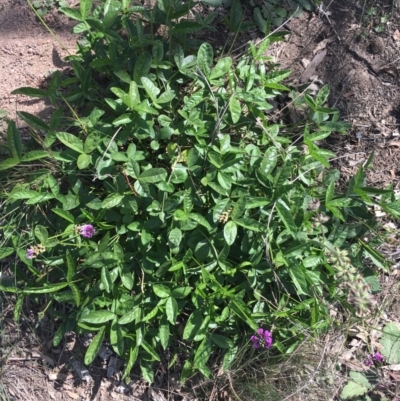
<point x="231" y="386"/>
<point x="108" y="146"/>
<point x="47" y="27"/>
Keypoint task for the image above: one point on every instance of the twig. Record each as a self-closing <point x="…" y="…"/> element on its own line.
<point x="231" y="386"/>
<point x="108" y="146"/>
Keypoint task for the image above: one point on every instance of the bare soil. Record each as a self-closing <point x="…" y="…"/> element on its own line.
<point x="29" y="54"/>
<point x="361" y="66"/>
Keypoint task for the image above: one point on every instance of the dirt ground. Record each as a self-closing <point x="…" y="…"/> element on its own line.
<point x="340" y="46"/>
<point x="349" y="48"/>
<point x="29" y="54"/>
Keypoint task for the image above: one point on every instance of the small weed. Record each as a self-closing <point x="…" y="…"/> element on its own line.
<point x="43" y="7"/>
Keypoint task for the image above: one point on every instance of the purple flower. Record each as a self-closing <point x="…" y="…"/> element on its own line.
<point x="31" y="253"/>
<point x="263" y="338"/>
<point x="368" y="362"/>
<point x="87" y="230"/>
<point x="374" y="358"/>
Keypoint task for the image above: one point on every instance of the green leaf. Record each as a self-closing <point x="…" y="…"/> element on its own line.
<point x="230" y="232"/>
<point x="147" y="371"/>
<point x="202" y="354"/>
<point x="85" y="7"/>
<point x="8" y="163"/>
<point x="97" y="317"/>
<point x="269" y="160"/>
<point x="64" y="214"/>
<point x="377" y="258"/>
<point x="41" y="234"/>
<point x="123" y="76"/>
<point x="33" y="121"/>
<point x="353" y="389"/>
<point x="117" y="338"/>
<point x="112" y="200"/>
<point x="153" y="175"/>
<point x="106" y="279"/>
<point x="32" y="92"/>
<point x="6" y="251"/>
<point x="175" y="237"/>
<point x="181" y="292"/>
<point x="142" y="67"/>
<point x="150" y="350"/>
<point x="14" y="140"/>
<point x="34" y="155"/>
<point x="390" y="341"/>
<point x="229" y="357"/>
<point x="71" y="267"/>
<point x="133" y="98"/>
<point x="166" y="97"/>
<point x="92" y="141"/>
<point x="360" y="379"/>
<point x="133" y="354"/>
<point x="71" y="141"/>
<point x="286" y="217"/>
<point x="95" y="346"/>
<point x="250" y="224"/>
<point x="235" y="109"/>
<point x="299" y="279"/>
<point x="71" y="13"/>
<point x="75" y="293"/>
<point x="161" y="290"/>
<point x="205" y="56"/>
<point x="128" y="317"/>
<point x="164" y="332"/>
<point x="236" y="16"/>
<point x="239" y="308"/>
<point x="39" y="198"/>
<point x="221" y="68"/>
<point x="46" y="289"/>
<point x="171" y="309"/>
<point x="330" y="192"/>
<point x="83" y="161"/>
<point x="111" y="10"/>
<point x="221" y="341"/>
<point x="151" y="315"/>
<point x="276" y="76"/>
<point x="127" y="277"/>
<point x="150" y="88"/>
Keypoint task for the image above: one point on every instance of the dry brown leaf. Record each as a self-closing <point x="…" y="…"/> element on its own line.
<point x="393" y="367"/>
<point x="395" y="376"/>
<point x="354" y="364"/>
<point x="395" y="143"/>
<point x="73" y="395"/>
<point x="390" y="70"/>
<point x="311" y="68"/>
<point x="321" y="45"/>
<point x="396" y="35"/>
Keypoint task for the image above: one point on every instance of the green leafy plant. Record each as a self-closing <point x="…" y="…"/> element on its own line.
<point x="173" y="213"/>
<point x="43" y="7"/>
<point x="276" y="12"/>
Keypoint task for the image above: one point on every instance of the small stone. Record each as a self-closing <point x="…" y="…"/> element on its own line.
<point x="377" y="45"/>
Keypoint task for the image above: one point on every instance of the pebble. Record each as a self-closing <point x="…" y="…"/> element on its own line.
<point x="377" y="45"/>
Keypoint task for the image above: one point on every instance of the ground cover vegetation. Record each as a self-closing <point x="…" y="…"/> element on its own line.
<point x="164" y="209"/>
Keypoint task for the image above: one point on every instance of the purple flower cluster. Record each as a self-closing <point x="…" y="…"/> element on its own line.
<point x="87" y="230"/>
<point x="263" y="339"/>
<point x="31" y="253"/>
<point x="374" y="359"/>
